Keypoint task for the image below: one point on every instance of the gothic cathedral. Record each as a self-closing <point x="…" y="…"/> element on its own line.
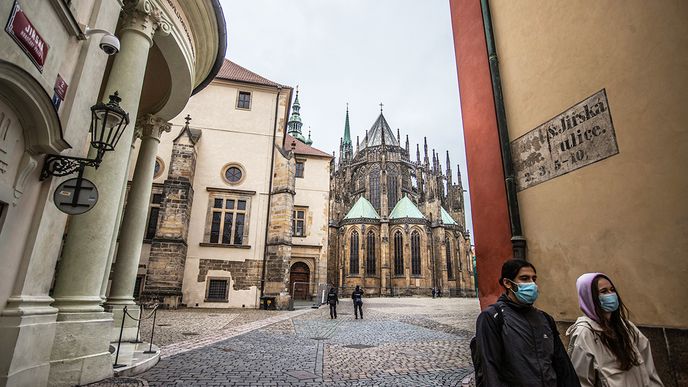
<point x="396" y="226"/>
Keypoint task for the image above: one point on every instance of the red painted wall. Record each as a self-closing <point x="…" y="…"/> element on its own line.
<point x="491" y="230"/>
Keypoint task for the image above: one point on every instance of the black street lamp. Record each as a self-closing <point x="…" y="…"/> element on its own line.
<point x="108" y="122"/>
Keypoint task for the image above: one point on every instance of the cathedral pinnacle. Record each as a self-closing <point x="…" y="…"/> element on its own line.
<point x="294" y="124"/>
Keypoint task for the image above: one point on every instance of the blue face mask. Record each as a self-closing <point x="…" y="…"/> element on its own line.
<point x="609" y="302"/>
<point x="527" y="293"/>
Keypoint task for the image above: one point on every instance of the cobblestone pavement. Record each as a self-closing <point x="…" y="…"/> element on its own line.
<point x="401" y="342"/>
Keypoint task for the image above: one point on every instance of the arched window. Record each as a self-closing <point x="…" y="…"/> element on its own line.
<point x="370" y="256"/>
<point x="375" y="189"/>
<point x="398" y="254"/>
<point x="450" y="269"/>
<point x="392" y="196"/>
<point x="415" y="253"/>
<point x="353" y="254"/>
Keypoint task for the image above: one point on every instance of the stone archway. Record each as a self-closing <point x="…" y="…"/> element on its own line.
<point x="299" y="281"/>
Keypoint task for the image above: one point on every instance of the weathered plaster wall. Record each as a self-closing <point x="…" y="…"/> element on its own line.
<point x="626" y="215"/>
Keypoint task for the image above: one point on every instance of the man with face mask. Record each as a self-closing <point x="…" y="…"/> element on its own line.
<point x="517" y="344"/>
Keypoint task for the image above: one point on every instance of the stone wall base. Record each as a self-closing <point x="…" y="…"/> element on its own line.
<point x="26" y="343"/>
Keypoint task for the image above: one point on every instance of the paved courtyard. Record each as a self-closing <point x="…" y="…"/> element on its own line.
<point x="400" y="342"/>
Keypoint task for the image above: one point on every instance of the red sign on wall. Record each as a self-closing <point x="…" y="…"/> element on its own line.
<point x="23" y="32"/>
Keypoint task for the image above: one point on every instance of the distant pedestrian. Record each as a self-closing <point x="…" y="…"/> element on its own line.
<point x="333" y="300"/>
<point x="605" y="347"/>
<point x="517" y="344"/>
<point x="357" y="297"/>
<point x="433" y="292"/>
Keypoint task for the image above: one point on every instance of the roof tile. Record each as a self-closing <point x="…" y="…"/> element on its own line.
<point x="233" y="72"/>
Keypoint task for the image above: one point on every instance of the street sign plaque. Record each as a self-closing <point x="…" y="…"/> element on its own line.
<point x="73" y="198"/>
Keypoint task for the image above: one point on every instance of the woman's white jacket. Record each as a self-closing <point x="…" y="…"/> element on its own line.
<point x="596" y="365"/>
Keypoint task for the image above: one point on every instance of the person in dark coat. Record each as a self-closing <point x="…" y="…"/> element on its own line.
<point x="333" y="300"/>
<point x="357" y="297"/>
<point x="516" y="343"/>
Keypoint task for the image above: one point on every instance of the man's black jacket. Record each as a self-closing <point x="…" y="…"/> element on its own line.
<point x="524" y="349"/>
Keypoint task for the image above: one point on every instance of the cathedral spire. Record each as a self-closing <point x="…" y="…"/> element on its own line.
<point x="417" y="153"/>
<point x="308" y="140"/>
<point x="357" y="144"/>
<point x="398" y="138"/>
<point x="347" y="130"/>
<point x="407" y="145"/>
<point x="294" y="124"/>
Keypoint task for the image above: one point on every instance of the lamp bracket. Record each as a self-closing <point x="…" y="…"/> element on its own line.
<point x="58" y="165"/>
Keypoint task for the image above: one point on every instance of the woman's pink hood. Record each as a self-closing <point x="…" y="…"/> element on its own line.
<point x="584" y="285"/>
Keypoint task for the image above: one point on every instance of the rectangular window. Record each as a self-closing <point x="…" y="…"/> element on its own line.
<point x="227" y="217"/>
<point x="153" y="213"/>
<point x="299" y="168"/>
<point x="217" y="290"/>
<point x="138" y="286"/>
<point x="244" y="100"/>
<point x="299" y="222"/>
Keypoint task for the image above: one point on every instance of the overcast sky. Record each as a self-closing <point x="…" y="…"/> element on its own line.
<point x="364" y="52"/>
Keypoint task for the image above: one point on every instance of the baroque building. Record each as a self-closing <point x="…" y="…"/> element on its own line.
<point x="396" y="224"/>
<point x="239" y="201"/>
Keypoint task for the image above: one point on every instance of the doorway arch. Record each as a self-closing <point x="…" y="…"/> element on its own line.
<point x="299" y="281"/>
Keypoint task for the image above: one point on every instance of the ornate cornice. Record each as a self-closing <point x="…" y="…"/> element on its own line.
<point x="151" y="126"/>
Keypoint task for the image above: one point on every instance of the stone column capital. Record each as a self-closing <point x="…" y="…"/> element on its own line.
<point x="151" y="126"/>
<point x="145" y="17"/>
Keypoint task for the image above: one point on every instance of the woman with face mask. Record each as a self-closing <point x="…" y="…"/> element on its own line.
<point x="605" y="347"/>
<point x="517" y="344"/>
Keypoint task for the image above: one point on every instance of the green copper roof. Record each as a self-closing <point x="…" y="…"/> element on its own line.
<point x="405" y="209"/>
<point x="294" y="124"/>
<point x="446" y="218"/>
<point x="347" y="131"/>
<point x="362" y="209"/>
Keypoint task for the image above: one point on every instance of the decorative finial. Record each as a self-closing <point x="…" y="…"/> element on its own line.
<point x="187" y="119"/>
<point x="381" y="105"/>
<point x="347" y="107"/>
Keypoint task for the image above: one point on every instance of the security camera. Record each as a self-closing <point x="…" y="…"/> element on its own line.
<point x="108" y="43"/>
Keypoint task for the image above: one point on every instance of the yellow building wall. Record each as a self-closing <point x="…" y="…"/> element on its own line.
<point x="627" y="215"/>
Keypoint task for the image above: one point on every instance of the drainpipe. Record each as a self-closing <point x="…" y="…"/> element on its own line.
<point x="272" y="171"/>
<point x="518" y="241"/>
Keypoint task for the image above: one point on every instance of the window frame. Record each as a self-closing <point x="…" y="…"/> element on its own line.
<point x="354" y="246"/>
<point x="208" y="282"/>
<point x="448" y="253"/>
<point x="371" y="262"/>
<point x="239" y="100"/>
<point x="303" y="168"/>
<point x="224" y="196"/>
<point x="152" y="205"/>
<point x="223" y="173"/>
<point x="159" y="173"/>
<point x="416" y="258"/>
<point x="295" y="220"/>
<point x="398" y="254"/>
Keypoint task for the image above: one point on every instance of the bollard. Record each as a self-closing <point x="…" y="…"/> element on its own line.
<point x="119" y="341"/>
<point x="150" y="348"/>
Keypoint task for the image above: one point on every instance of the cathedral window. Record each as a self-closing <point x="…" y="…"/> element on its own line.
<point x="450" y="269"/>
<point x="227" y="223"/>
<point x="415" y="253"/>
<point x="244" y="100"/>
<point x="392" y="196"/>
<point x="398" y="254"/>
<point x="217" y="290"/>
<point x="299" y="221"/>
<point x="370" y="256"/>
<point x="375" y="190"/>
<point x="153" y="213"/>
<point x="300" y="165"/>
<point x="353" y="254"/>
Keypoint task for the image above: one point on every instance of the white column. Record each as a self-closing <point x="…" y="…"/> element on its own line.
<point x="80" y="353"/>
<point x="133" y="226"/>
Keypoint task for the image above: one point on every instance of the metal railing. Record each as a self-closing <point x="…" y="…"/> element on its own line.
<point x="125" y="314"/>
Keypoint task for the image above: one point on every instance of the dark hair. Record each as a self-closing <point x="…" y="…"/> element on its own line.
<point x="511" y="267"/>
<point x="617" y="334"/>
